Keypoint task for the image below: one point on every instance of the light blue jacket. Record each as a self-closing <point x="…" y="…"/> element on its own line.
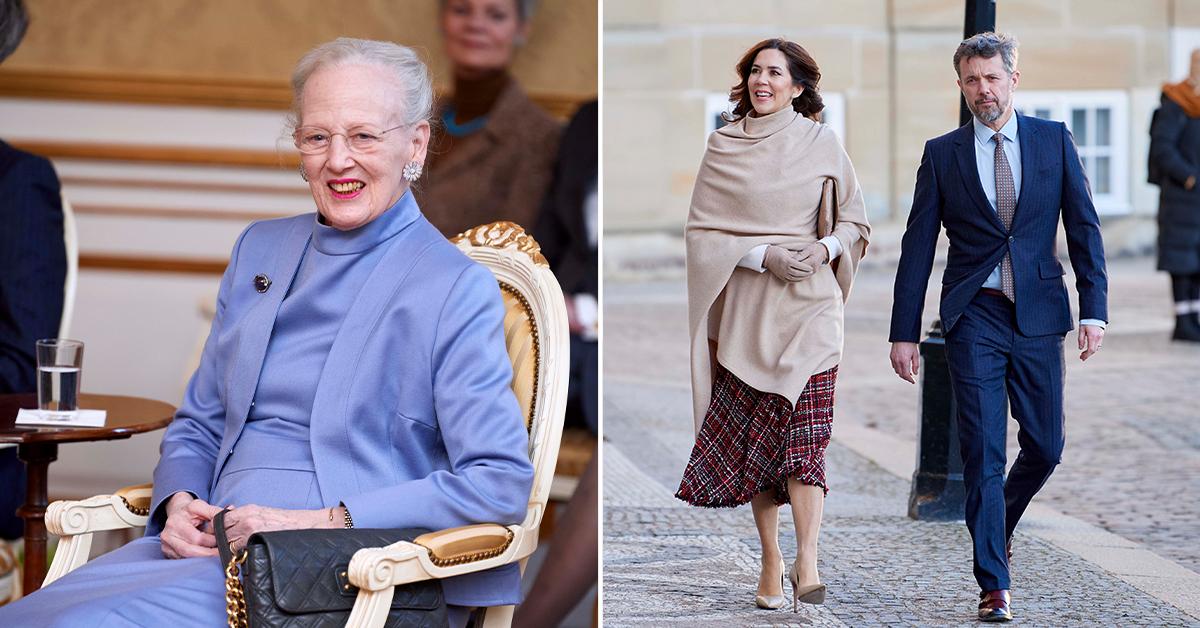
<point x="413" y="423"/>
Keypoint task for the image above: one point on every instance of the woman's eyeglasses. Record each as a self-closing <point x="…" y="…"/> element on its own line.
<point x="312" y="140"/>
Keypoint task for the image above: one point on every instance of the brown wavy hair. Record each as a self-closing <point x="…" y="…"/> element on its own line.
<point x="801" y="66"/>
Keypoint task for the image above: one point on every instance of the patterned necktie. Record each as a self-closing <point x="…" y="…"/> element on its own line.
<point x="1006" y="205"/>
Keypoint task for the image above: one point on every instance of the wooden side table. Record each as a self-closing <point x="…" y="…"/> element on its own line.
<point x="37" y="447"/>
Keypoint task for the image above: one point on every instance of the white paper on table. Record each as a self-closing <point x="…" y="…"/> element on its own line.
<point x="79" y="418"/>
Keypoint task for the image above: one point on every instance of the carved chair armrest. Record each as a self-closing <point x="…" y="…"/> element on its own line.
<point x="75" y="521"/>
<point x="127" y="508"/>
<point x="440" y="554"/>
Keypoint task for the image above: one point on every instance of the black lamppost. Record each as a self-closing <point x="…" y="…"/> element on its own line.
<point x="937" y="486"/>
<point x="980" y="18"/>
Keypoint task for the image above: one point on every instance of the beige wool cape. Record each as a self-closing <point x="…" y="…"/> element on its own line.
<point x="760" y="182"/>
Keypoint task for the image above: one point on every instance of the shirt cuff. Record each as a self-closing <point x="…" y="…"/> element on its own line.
<point x="833" y="245"/>
<point x="754" y="259"/>
<point x="1094" y="321"/>
<point x="587" y="314"/>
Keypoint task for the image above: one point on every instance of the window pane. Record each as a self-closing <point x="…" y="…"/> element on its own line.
<point x="1079" y="126"/>
<point x="1103" y="121"/>
<point x="1102" y="184"/>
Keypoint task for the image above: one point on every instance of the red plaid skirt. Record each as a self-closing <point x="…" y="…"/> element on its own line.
<point x="752" y="442"/>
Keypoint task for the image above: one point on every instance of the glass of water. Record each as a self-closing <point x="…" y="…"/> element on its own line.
<point x="59" y="361"/>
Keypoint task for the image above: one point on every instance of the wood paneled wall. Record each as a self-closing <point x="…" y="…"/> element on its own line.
<point x="260" y="40"/>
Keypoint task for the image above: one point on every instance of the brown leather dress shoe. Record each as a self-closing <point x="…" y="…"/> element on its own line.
<point x="994" y="606"/>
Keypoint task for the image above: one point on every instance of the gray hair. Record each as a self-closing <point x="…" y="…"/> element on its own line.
<point x="13" y="23"/>
<point x="525" y="8"/>
<point x="403" y="62"/>
<point x="988" y="45"/>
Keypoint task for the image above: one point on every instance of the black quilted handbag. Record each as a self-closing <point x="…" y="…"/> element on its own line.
<point x="297" y="579"/>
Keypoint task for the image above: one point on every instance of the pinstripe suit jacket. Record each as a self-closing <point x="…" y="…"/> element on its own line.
<point x="948" y="194"/>
<point x="33" y="263"/>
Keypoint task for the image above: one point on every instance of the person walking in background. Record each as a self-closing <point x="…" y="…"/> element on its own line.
<point x="775" y="202"/>
<point x="1174" y="166"/>
<point x="495" y="155"/>
<point x="1004" y="306"/>
<point x="33" y="267"/>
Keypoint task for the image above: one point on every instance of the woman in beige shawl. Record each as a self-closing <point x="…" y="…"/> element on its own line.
<point x="776" y="230"/>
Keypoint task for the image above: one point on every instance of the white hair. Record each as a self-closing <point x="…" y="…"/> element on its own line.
<point x="412" y="74"/>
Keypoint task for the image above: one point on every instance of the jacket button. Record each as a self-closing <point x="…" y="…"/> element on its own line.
<point x="1011" y="239"/>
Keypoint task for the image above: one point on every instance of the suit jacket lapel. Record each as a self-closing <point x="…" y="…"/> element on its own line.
<point x="464" y="156"/>
<point x="258" y="325"/>
<point x="965" y="152"/>
<point x="1029" y="152"/>
<point x="504" y="117"/>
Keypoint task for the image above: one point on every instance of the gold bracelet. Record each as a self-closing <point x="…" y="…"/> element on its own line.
<point x="331" y="514"/>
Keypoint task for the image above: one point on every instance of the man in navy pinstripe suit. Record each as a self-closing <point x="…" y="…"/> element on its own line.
<point x="33" y="266"/>
<point x="999" y="186"/>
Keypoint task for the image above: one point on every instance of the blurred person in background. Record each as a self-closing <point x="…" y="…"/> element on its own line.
<point x="33" y="267"/>
<point x="1175" y="166"/>
<point x="568" y="233"/>
<point x="494" y="155"/>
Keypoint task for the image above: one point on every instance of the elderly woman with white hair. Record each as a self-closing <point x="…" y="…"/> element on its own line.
<point x="355" y="374"/>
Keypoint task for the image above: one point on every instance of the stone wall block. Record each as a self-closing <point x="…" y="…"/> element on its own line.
<point x="1058" y="61"/>
<point x="1123" y="14"/>
<point x="652" y="61"/>
<point x="868" y="15"/>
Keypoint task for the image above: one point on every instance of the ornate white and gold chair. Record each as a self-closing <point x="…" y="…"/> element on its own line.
<point x="535" y="326"/>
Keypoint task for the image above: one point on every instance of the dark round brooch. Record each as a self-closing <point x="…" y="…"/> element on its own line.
<point x="262" y="282"/>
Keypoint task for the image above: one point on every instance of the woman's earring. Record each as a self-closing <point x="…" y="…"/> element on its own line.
<point x="412" y="171"/>
<point x="303" y="174"/>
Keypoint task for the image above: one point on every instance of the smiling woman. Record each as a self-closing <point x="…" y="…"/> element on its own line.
<point x="775" y="193"/>
<point x="360" y="127"/>
<point x="305" y="412"/>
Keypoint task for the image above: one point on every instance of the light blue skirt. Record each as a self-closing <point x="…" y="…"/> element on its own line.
<point x="136" y="585"/>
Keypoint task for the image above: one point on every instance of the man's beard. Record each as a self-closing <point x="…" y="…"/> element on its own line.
<point x="987" y="115"/>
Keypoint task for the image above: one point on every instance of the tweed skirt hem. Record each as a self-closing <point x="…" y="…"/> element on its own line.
<point x="752" y="442"/>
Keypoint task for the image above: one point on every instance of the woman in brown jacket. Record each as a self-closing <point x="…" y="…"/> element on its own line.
<point x="776" y="230"/>
<point x="494" y="155"/>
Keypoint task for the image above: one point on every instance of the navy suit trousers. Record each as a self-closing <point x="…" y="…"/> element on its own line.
<point x="992" y="367"/>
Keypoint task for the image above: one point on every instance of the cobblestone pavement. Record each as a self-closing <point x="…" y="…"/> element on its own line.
<point x="1130" y="467"/>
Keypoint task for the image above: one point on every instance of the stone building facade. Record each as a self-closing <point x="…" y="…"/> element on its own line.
<point x="890" y="84"/>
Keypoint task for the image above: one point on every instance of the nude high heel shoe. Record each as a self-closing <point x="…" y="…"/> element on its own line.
<point x="811" y="594"/>
<point x="772" y="602"/>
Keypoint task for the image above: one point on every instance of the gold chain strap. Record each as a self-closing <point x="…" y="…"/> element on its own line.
<point x="235" y="599"/>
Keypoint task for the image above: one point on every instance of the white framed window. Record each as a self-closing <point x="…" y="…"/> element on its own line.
<point x="834" y="115"/>
<point x="1099" y="120"/>
<point x="715" y="103"/>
